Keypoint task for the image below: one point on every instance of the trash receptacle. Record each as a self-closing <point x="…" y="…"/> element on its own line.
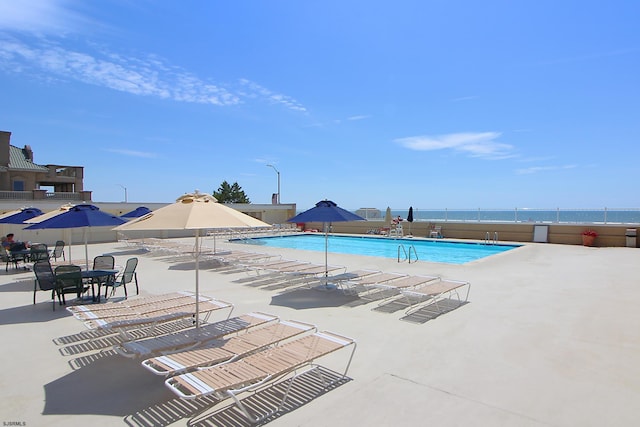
<point x="631" y="235"/>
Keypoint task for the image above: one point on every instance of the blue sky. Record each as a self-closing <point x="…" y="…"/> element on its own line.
<point x="434" y="104"/>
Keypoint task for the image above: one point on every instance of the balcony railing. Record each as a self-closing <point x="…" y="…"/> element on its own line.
<point x="39" y="195"/>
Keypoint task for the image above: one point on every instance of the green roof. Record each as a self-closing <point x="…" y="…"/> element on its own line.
<point x="18" y="160"/>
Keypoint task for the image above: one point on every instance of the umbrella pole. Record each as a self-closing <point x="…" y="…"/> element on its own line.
<point x="326" y="254"/>
<point x="86" y="249"/>
<point x="197" y="279"/>
<point x="68" y="230"/>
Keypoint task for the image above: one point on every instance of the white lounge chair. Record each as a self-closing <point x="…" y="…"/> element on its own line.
<point x="260" y="369"/>
<point x="394" y="287"/>
<point x="193" y="337"/>
<point x="364" y="285"/>
<point x="150" y="317"/>
<point x="435" y="291"/>
<point x="227" y="350"/>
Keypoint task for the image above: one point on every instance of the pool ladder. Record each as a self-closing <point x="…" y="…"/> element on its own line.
<point x="407" y="254"/>
<point x="487" y="238"/>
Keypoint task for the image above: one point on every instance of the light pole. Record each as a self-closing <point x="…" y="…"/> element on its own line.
<point x="278" y="173"/>
<point x="125" y="192"/>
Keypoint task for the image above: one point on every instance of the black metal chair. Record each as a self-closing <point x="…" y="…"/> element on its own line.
<point x="128" y="275"/>
<point x="38" y="252"/>
<point x="58" y="251"/>
<point x="102" y="262"/>
<point x="69" y="281"/>
<point x="45" y="280"/>
<point x="6" y="258"/>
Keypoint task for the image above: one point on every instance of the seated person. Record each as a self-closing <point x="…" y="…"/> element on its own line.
<point x="13" y="245"/>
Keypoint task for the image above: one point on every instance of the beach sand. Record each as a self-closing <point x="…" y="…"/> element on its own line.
<point x="549" y="337"/>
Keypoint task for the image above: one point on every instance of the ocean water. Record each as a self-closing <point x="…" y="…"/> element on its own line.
<point x="569" y="216"/>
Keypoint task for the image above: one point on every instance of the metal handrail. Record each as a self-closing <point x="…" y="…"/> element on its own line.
<point x="403" y="250"/>
<point x="414" y="251"/>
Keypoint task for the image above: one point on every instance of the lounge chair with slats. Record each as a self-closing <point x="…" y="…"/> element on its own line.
<point x="272" y="267"/>
<point x="190" y="338"/>
<point x="343" y="281"/>
<point x="224" y="351"/>
<point x="116" y="310"/>
<point x="132" y="302"/>
<point x="363" y="286"/>
<point x="149" y="318"/>
<point x="260" y="369"/>
<point x="433" y="292"/>
<point x="394" y="287"/>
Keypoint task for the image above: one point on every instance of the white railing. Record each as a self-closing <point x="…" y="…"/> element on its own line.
<point x="554" y="215"/>
<point x="28" y="195"/>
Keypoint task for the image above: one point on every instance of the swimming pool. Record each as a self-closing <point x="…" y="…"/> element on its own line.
<point x="427" y="250"/>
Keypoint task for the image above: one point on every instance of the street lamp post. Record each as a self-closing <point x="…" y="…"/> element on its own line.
<point x="125" y="192"/>
<point x="278" y="173"/>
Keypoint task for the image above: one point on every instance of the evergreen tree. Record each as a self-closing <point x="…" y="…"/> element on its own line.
<point x="230" y="193"/>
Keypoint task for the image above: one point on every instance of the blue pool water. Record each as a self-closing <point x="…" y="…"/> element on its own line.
<point x="427" y="250"/>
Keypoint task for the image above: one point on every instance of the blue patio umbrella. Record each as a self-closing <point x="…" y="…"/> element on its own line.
<point x="136" y="213"/>
<point x="20" y="216"/>
<point x="326" y="212"/>
<point x="80" y="216"/>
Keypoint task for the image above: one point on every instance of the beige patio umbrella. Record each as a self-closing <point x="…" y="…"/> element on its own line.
<point x="198" y="212"/>
<point x="50" y="214"/>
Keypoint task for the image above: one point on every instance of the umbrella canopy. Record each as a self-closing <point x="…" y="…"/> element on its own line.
<point x="410" y="217"/>
<point x="387" y="217"/>
<point x="50" y="214"/>
<point x="79" y="216"/>
<point x="136" y="213"/>
<point x="19" y="216"/>
<point x="326" y="211"/>
<point x="198" y="212"/>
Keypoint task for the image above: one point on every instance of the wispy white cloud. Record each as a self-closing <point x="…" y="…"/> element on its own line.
<point x="145" y="76"/>
<point x="132" y="153"/>
<point x="46" y="57"/>
<point x="137" y="76"/>
<point x="254" y="90"/>
<point x="478" y="144"/>
<point x="537" y="169"/>
<point x="40" y="17"/>
<point x="359" y="117"/>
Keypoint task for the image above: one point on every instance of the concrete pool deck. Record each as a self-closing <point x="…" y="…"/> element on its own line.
<point x="549" y="338"/>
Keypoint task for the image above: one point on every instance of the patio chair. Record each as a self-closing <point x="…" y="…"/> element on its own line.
<point x="58" y="251"/>
<point x="69" y="281"/>
<point x="257" y="370"/>
<point x="128" y="275"/>
<point x="364" y="285"/>
<point x="433" y="292"/>
<point x="225" y="351"/>
<point x="7" y="258"/>
<point x="150" y="318"/>
<point x="436" y="231"/>
<point x="194" y="337"/>
<point x="343" y="281"/>
<point x="38" y="252"/>
<point x="128" y="303"/>
<point x="394" y="287"/>
<point x="102" y="262"/>
<point x="115" y="310"/>
<point x="45" y="280"/>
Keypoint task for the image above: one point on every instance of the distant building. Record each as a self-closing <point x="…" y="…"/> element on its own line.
<point x="22" y="179"/>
